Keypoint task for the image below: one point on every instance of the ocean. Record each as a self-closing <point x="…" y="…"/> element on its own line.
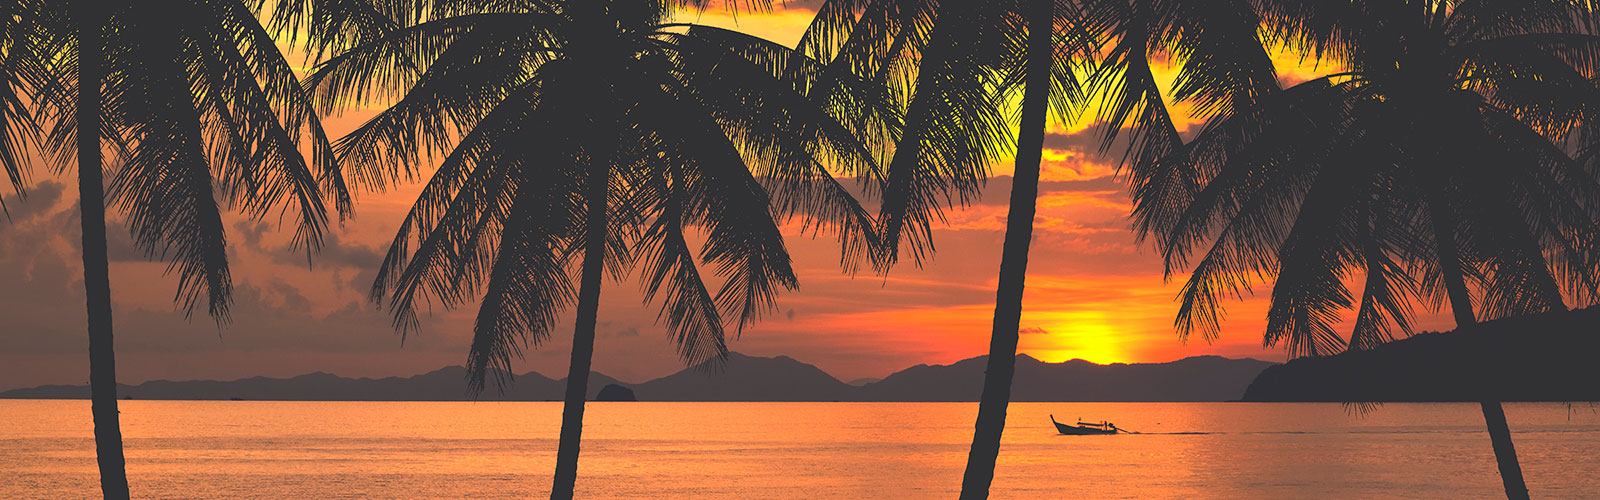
<point x="490" y="450"/>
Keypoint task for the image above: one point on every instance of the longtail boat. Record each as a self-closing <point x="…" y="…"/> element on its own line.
<point x="1084" y="428"/>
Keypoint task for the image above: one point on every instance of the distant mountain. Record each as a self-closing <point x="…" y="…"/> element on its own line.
<point x="748" y="378"/>
<point x="1199" y="378"/>
<point x="1547" y="357"/>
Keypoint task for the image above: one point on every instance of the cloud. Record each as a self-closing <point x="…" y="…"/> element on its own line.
<point x="1032" y="330"/>
<point x="120" y="246"/>
<point x="41" y="201"/>
<point x="997" y="190"/>
<point x="336" y="250"/>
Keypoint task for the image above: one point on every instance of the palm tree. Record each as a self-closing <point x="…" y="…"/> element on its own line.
<point x="23" y="75"/>
<point x="583" y="137"/>
<point x="968" y="57"/>
<point x="198" y="109"/>
<point x="1435" y="167"/>
<point x="88" y="25"/>
<point x="949" y="64"/>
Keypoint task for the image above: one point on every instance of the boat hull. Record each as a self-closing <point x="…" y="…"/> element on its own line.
<point x="1082" y="430"/>
<point x="1073" y="430"/>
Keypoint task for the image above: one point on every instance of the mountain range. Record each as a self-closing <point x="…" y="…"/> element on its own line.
<point x="744" y="378"/>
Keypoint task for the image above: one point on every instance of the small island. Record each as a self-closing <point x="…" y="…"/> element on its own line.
<point x="615" y="392"/>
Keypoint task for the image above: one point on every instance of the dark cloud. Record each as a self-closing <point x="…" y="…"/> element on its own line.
<point x="336" y="251"/>
<point x="295" y="314"/>
<point x="276" y="316"/>
<point x="1090" y="141"/>
<point x="252" y="232"/>
<point x="808" y="5"/>
<point x="41" y="200"/>
<point x="120" y="246"/>
<point x="1032" y="330"/>
<point x="43" y="295"/>
<point x="997" y="192"/>
<point x="1085" y="144"/>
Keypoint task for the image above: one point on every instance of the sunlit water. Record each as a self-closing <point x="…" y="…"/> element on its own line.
<point x="321" y="450"/>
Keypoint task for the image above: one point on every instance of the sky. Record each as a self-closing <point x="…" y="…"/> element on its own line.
<point x="1093" y="293"/>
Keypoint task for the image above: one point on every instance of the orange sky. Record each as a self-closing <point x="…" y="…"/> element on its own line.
<point x="1092" y="293"/>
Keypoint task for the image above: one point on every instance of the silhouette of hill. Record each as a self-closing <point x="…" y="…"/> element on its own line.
<point x="1199" y="378"/>
<point x="1547" y="357"/>
<point x="746" y="378"/>
<point x="615" y="392"/>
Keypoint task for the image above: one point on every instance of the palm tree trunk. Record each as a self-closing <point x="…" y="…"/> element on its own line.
<point x="1494" y="416"/>
<point x="594" y="253"/>
<point x="96" y="275"/>
<point x="1505" y="452"/>
<point x="1014" y="258"/>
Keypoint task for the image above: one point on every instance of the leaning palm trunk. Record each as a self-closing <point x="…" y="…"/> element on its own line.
<point x="1014" y="258"/>
<point x="594" y="254"/>
<point x="566" y="477"/>
<point x="1505" y="453"/>
<point x="1494" y="416"/>
<point x="96" y="275"/>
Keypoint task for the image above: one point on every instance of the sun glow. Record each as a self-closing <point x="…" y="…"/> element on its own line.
<point x="1067" y="335"/>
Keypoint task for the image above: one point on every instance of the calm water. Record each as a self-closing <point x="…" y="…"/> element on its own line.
<point x="277" y="450"/>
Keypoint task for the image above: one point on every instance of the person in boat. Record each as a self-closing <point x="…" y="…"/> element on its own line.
<point x="1103" y="424"/>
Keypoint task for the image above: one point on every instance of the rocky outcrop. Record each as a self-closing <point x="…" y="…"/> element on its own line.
<point x="615" y="392"/>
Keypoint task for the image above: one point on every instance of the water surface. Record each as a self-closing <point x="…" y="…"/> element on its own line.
<point x="448" y="450"/>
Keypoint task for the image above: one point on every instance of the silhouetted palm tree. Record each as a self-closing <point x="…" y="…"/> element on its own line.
<point x="23" y="77"/>
<point x="967" y="58"/>
<point x="1435" y="168"/>
<point x="950" y="64"/>
<point x="201" y="110"/>
<point x="585" y="136"/>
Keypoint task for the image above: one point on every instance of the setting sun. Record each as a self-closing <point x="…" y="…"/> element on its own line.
<point x="1062" y="336"/>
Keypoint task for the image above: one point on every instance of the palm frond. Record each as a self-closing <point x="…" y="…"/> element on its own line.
<point x="787" y="135"/>
<point x="1388" y="291"/>
<point x="528" y="284"/>
<point x="954" y="131"/>
<point x="731" y="207"/>
<point x="468" y="195"/>
<point x="165" y="188"/>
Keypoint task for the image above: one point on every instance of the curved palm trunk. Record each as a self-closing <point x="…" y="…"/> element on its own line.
<point x="96" y="275"/>
<point x="1014" y="259"/>
<point x="594" y="254"/>
<point x="1494" y="416"/>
